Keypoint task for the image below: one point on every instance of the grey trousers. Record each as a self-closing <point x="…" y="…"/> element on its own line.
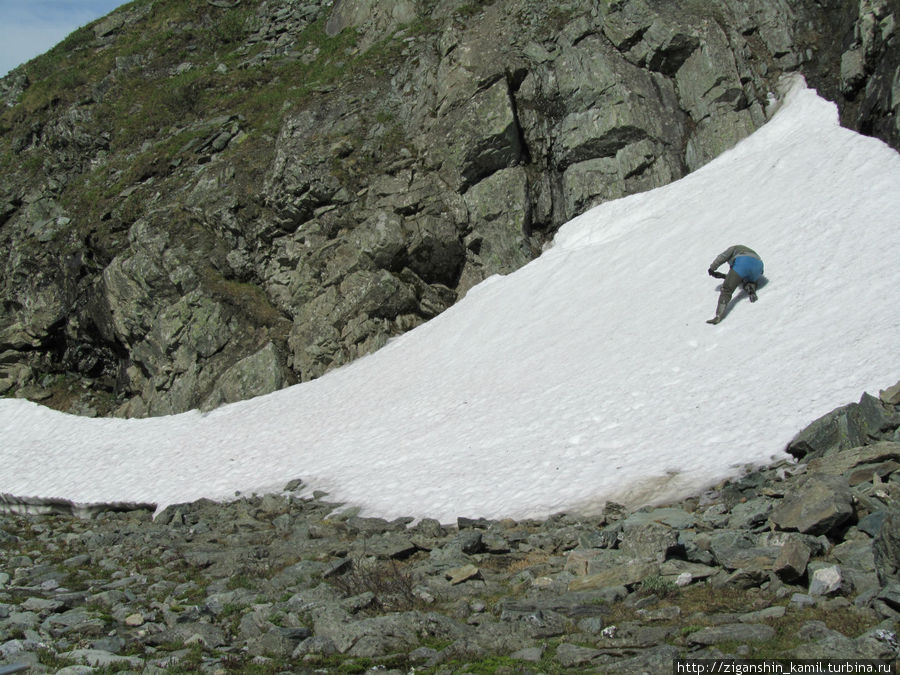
<point x="729" y="286"/>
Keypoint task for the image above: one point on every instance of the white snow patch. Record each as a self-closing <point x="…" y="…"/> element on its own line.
<point x="588" y="375"/>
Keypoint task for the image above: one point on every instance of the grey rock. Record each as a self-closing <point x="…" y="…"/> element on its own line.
<point x="739" y="632"/>
<point x="315" y="645"/>
<point x="761" y="615"/>
<point x="849" y="426"/>
<point x="591" y="624"/>
<point x="424" y="655"/>
<point x="573" y="656"/>
<point x="750" y="514"/>
<point x="298" y="181"/>
<point x="792" y="560"/>
<point x="470" y="541"/>
<point x="98" y="658"/>
<point x="826" y="581"/>
<point x="736" y="550"/>
<point x="499" y="223"/>
<point x="17" y="649"/>
<point x="860" y="464"/>
<point x="855" y="554"/>
<point x="886" y="548"/>
<point x="878" y="643"/>
<point x="891" y="395"/>
<point x="76" y="670"/>
<point x="394" y="546"/>
<point x="459" y="575"/>
<point x="316" y="341"/>
<point x="255" y="375"/>
<point x="802" y="600"/>
<point x="278" y="642"/>
<point x="675" y="568"/>
<point x="530" y="654"/>
<point x="76" y="621"/>
<point x="535" y="621"/>
<point x="385" y="634"/>
<point x="650" y="541"/>
<point x="479" y="138"/>
<point x="653" y="659"/>
<point x="820" y="504"/>
<point x="853" y="73"/>
<point x="209" y="635"/>
<point x="369" y="14"/>
<point x="871" y="524"/>
<point x="823" y="642"/>
<point x="42" y="605"/>
<point x="710" y="89"/>
<point x="891" y="595"/>
<point x="435" y="252"/>
<point x="627" y="574"/>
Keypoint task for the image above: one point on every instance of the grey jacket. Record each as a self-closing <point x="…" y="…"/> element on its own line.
<point x="730" y="253"/>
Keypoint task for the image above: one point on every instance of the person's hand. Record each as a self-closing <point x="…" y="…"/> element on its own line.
<point x="711" y="272"/>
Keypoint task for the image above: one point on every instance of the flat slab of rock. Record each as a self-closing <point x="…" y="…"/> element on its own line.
<point x="818" y="505"/>
<point x="460" y="574"/>
<point x="734" y="632"/>
<point x="624" y="575"/>
<point x="842" y="462"/>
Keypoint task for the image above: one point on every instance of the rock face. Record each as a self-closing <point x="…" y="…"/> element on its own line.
<point x="286" y="186"/>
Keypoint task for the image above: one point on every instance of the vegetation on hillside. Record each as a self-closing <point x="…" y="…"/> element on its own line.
<point x="151" y="88"/>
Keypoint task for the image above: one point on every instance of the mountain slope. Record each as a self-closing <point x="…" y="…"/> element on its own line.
<point x="202" y="202"/>
<point x="587" y="375"/>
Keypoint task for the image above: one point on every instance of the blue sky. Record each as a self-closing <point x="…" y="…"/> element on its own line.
<point x="31" y="27"/>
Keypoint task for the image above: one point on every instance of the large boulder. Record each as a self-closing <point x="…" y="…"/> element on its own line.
<point x="819" y="505"/>
<point x="849" y="426"/>
<point x="737" y="550"/>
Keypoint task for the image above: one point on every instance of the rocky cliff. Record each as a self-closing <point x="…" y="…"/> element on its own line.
<point x="202" y="202"/>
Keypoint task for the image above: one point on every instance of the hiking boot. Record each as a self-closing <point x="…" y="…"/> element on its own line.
<point x="721" y="308"/>
<point x="750" y="288"/>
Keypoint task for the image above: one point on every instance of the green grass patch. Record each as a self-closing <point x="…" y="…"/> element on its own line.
<point x="391" y="582"/>
<point x="343" y="665"/>
<point x="237" y="581"/>
<point x="658" y="586"/>
<point x="248" y="298"/>
<point x="52" y="660"/>
<point x="62" y="75"/>
<point x="701" y="602"/>
<point x="848" y="622"/>
<point x="505" y="665"/>
<point x="160" y="102"/>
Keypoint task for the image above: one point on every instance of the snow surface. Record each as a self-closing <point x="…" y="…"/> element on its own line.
<point x="588" y="375"/>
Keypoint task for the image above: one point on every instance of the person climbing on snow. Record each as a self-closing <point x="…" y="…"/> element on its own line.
<point x="746" y="269"/>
